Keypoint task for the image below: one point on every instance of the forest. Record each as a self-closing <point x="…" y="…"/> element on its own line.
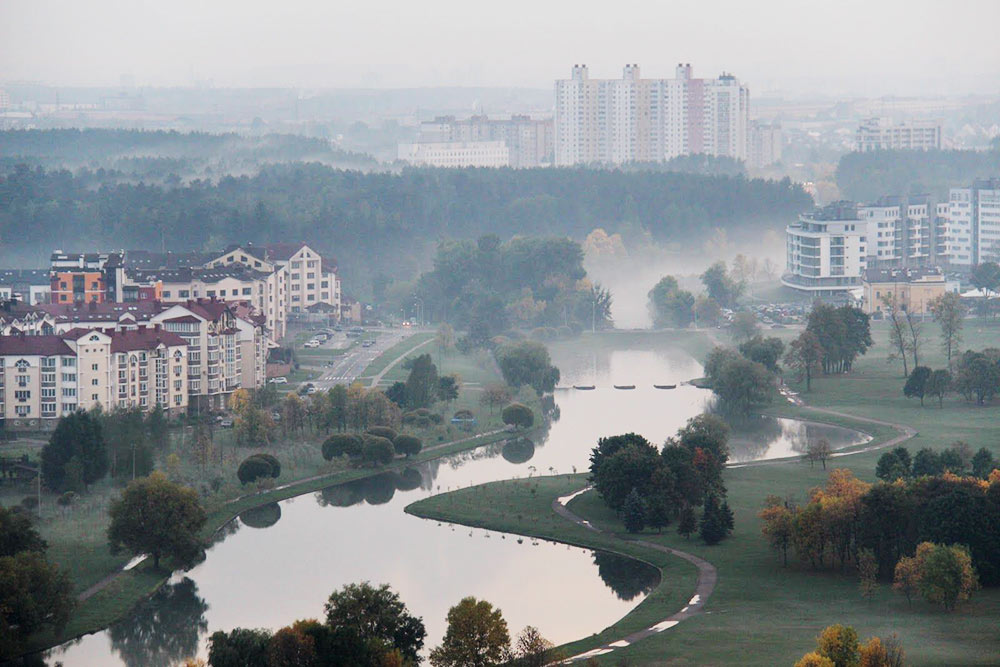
<point x="865" y="177"/>
<point x="392" y="220"/>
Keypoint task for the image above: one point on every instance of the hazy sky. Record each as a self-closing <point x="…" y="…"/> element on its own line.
<point x="871" y="47"/>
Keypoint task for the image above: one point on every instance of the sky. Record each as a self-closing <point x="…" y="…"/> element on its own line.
<point x="867" y="48"/>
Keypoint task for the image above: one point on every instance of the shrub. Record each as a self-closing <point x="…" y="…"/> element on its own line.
<point x="519" y="415"/>
<point x="253" y="468"/>
<point x="66" y="499"/>
<point x="377" y="450"/>
<point x="339" y="444"/>
<point x="464" y="414"/>
<point x="273" y="462"/>
<point x="382" y="432"/>
<point x="407" y="445"/>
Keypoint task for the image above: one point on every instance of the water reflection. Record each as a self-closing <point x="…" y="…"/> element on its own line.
<point x="627" y="577"/>
<point x="164" y="629"/>
<point x="264" y="516"/>
<point x="518" y="450"/>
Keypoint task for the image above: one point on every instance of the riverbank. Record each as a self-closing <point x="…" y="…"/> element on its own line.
<point x="759" y="610"/>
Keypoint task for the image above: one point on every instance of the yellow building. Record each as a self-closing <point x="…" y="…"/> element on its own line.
<point x="912" y="289"/>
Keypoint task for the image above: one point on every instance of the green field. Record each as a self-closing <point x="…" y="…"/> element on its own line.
<point x="761" y="613"/>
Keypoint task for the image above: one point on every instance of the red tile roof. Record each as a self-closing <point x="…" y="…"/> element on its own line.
<point x="33" y="345"/>
<point x="143" y="338"/>
<point x="283" y="251"/>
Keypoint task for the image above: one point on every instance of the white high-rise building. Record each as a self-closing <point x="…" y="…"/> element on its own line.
<point x="827" y="251"/>
<point x="632" y="119"/>
<point x="974" y="223"/>
<point x="879" y="134"/>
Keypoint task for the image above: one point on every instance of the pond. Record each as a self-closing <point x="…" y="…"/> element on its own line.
<point x="280" y="562"/>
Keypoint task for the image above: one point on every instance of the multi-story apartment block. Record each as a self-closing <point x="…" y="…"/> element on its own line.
<point x="45" y="377"/>
<point x="648" y="120"/>
<point x="31" y="286"/>
<point x="879" y="134"/>
<point x="311" y="279"/>
<point x="906" y="231"/>
<point x="528" y="140"/>
<point x="764" y="144"/>
<point x="455" y="154"/>
<point x="827" y="250"/>
<point x="973" y="234"/>
<point x="86" y="277"/>
<point x="214" y="353"/>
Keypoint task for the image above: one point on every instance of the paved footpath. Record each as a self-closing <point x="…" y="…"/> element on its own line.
<point x="707" y="573"/>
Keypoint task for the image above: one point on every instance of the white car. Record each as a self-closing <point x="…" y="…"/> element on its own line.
<point x="312" y="343"/>
<point x="278" y="380"/>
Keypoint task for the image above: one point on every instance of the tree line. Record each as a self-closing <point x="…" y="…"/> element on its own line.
<point x="867" y="176"/>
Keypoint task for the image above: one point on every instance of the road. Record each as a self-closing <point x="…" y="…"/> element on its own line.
<point x="346" y="368"/>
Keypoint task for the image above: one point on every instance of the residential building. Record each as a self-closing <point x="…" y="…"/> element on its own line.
<point x="86" y="277"/>
<point x="456" y="154"/>
<point x="880" y="134"/>
<point x="764" y="144"/>
<point x="45" y="377"/>
<point x="31" y="286"/>
<point x="528" y="140"/>
<point x="911" y="289"/>
<point x="827" y="251"/>
<point x="631" y="119"/>
<point x="311" y="278"/>
<point x="906" y="231"/>
<point x="973" y="234"/>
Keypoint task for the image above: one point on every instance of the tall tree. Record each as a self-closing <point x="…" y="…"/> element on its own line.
<point x="916" y="383"/>
<point x="527" y="363"/>
<point x="805" y="357"/>
<point x="376" y="614"/>
<point x="155" y="516"/>
<point x="898" y="339"/>
<point x="477" y="636"/>
<point x="33" y="594"/>
<point x="422" y="382"/>
<point x="949" y="312"/>
<point x="669" y="305"/>
<point x="938" y="384"/>
<point x="76" y="453"/>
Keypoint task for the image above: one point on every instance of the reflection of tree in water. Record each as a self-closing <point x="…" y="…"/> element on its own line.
<point x="224" y="531"/>
<point x="376" y="490"/>
<point x="490" y="451"/>
<point x="518" y="450"/>
<point x="627" y="577"/>
<point x="752" y="435"/>
<point x="380" y="489"/>
<point x="341" y="495"/>
<point x="165" y="629"/>
<point x="409" y="479"/>
<point x="549" y="407"/>
<point x="264" y="516"/>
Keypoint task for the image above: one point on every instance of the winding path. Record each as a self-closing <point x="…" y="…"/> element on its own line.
<point x="707" y="573"/>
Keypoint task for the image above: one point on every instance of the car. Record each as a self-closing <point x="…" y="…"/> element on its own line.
<point x="367" y="343"/>
<point x="278" y="380"/>
<point x="311" y="343"/>
<point x="226" y="423"/>
<point x="311" y="390"/>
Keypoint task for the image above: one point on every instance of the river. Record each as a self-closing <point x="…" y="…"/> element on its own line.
<point x="280" y="563"/>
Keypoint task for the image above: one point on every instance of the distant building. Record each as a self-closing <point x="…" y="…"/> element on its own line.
<point x="827" y="251"/>
<point x="764" y="144"/>
<point x="528" y="140"/>
<point x="911" y="289"/>
<point x="456" y="154"/>
<point x="30" y="286"/>
<point x="973" y="234"/>
<point x="86" y="277"/>
<point x="614" y="121"/>
<point x="879" y="134"/>
<point x="906" y="231"/>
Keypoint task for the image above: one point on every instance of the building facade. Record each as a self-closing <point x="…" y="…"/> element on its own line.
<point x="764" y="144"/>
<point x="826" y="251"/>
<point x="456" y="154"/>
<point x="912" y="290"/>
<point x="880" y="134"/>
<point x="614" y="121"/>
<point x="973" y="234"/>
<point x="528" y="140"/>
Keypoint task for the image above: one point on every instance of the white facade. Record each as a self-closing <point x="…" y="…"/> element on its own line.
<point x="648" y="120"/>
<point x="528" y="140"/>
<point x="879" y="134"/>
<point x="764" y="145"/>
<point x="456" y="154"/>
<point x="827" y="252"/>
<point x="974" y="223"/>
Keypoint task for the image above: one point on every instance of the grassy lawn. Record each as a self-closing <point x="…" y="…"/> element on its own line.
<point x="760" y="612"/>
<point x="401" y="348"/>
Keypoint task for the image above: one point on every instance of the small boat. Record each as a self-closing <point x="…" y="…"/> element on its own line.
<point x="624" y="386"/>
<point x="665" y="386"/>
<point x="583" y="387"/>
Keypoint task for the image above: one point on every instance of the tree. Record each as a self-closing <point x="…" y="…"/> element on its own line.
<point x="927" y="462"/>
<point x="445" y="338"/>
<point x="156" y="516"/>
<point x="629" y="469"/>
<point x="494" y="395"/>
<point x="477" y="636"/>
<point x="662" y="497"/>
<point x="893" y="465"/>
<point x="634" y="512"/>
<point x="686" y="522"/>
<point x="291" y="647"/>
<point x="241" y="647"/>
<point x="722" y="287"/>
<point x="986" y="276"/>
<point x="240" y="401"/>
<point x="983" y="464"/>
<point x="949" y="312"/>
<point x="878" y="653"/>
<point x="714" y="525"/>
<point x="527" y="363"/>
<point x="938" y="384"/>
<point x="839" y="643"/>
<point x="818" y="450"/>
<point x="422" y="382"/>
<point x="254" y="428"/>
<point x="447" y="389"/>
<point x="518" y="415"/>
<point x="376" y="615"/>
<point x="158" y="428"/>
<point x="978" y="377"/>
<point x="531" y="648"/>
<point x="914" y="335"/>
<point x="805" y="357"/>
<point x="707" y="312"/>
<point x="742" y="385"/>
<point x="867" y="573"/>
<point x="338" y="406"/>
<point x="898" y="340"/>
<point x="906" y="577"/>
<point x="916" y="384"/>
<point x="17" y="534"/>
<point x="376" y="450"/>
<point x="77" y="443"/>
<point x="339" y="444"/>
<point x="814" y="659"/>
<point x="744" y="326"/>
<point x="293" y="413"/>
<point x="407" y="445"/>
<point x="669" y="305"/>
<point x="946" y="574"/>
<point x="33" y="594"/>
<point x="764" y="351"/>
<point x="778" y="518"/>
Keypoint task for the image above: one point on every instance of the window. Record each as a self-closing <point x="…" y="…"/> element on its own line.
<point x="94" y="397"/>
<point x="22" y="394"/>
<point x="93" y="367"/>
<point x="295" y="265"/>
<point x="22" y="410"/>
<point x="222" y="292"/>
<point x="68" y="392"/>
<point x="49" y="392"/>
<point x="184" y="293"/>
<point x="69" y="377"/>
<point x="95" y="382"/>
<point x="22" y="380"/>
<point x="210" y="292"/>
<point x="69" y="362"/>
<point x="246" y="291"/>
<point x="22" y="365"/>
<point x="310" y="276"/>
<point x="295" y="276"/>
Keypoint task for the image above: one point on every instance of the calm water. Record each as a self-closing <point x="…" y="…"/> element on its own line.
<point x="281" y="562"/>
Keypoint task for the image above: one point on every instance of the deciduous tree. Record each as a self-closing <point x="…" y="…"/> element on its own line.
<point x="938" y="384"/>
<point x="78" y="440"/>
<point x="805" y="357"/>
<point x="949" y="313"/>
<point x="477" y="636"/>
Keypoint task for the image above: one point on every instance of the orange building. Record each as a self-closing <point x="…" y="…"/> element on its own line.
<point x="78" y="287"/>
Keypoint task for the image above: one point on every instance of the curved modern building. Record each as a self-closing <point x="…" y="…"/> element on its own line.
<point x="827" y="250"/>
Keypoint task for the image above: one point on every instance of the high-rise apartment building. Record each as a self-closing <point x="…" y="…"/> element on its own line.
<point x="879" y="134"/>
<point x="974" y="223"/>
<point x="632" y="119"/>
<point x="528" y="141"/>
<point x="764" y="144"/>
